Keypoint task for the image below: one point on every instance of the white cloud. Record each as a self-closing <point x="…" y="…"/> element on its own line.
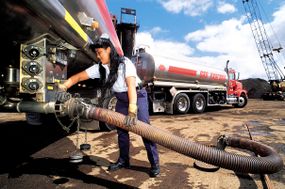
<point x="163" y="47"/>
<point x="230" y="40"/>
<point x="278" y="24"/>
<point x="225" y="8"/>
<point x="222" y="38"/>
<point x="157" y="30"/>
<point x="188" y="7"/>
<point x="277" y="36"/>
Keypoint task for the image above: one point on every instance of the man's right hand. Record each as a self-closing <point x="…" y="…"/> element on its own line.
<point x="61" y="87"/>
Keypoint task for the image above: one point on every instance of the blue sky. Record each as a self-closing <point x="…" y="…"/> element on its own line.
<point x="206" y="32"/>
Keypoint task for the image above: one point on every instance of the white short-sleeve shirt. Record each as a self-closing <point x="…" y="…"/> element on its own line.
<point x="126" y="69"/>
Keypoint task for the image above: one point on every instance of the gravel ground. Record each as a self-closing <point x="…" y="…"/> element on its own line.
<point x="38" y="156"/>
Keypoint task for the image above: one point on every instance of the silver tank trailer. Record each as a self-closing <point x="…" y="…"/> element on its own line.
<point x="162" y="70"/>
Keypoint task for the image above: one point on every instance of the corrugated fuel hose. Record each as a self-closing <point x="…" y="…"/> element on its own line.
<point x="269" y="161"/>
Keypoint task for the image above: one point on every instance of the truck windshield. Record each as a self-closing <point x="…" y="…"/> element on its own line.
<point x="232" y="76"/>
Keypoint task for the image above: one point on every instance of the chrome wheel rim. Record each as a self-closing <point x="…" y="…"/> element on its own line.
<point x="182" y="104"/>
<point x="241" y="101"/>
<point x="199" y="104"/>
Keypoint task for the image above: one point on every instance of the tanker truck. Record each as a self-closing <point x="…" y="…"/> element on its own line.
<point x="176" y="86"/>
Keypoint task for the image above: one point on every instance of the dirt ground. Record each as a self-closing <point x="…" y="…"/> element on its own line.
<point x="38" y="156"/>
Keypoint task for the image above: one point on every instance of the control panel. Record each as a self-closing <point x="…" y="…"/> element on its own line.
<point x="43" y="63"/>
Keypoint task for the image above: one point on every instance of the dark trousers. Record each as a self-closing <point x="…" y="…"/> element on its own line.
<point x="143" y="115"/>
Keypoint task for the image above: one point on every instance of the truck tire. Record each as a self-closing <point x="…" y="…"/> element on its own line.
<point x="108" y="103"/>
<point x="181" y="103"/>
<point x="198" y="103"/>
<point x="242" y="101"/>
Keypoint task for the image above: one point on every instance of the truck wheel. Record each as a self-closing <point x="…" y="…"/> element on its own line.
<point x="108" y="103"/>
<point x="242" y="101"/>
<point x="181" y="103"/>
<point x="198" y="103"/>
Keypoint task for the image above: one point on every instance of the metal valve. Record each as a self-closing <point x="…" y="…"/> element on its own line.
<point x="32" y="51"/>
<point x="31" y="84"/>
<point x="34" y="86"/>
<point x="32" y="67"/>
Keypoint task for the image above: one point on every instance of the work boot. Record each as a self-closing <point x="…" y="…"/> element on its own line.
<point x="154" y="171"/>
<point x="118" y="165"/>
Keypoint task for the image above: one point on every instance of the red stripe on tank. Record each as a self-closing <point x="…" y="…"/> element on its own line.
<point x="109" y="24"/>
<point x="182" y="71"/>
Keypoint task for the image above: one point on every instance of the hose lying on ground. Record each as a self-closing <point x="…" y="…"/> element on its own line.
<point x="269" y="162"/>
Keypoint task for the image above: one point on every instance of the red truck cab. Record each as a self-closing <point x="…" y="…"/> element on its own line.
<point x="235" y="88"/>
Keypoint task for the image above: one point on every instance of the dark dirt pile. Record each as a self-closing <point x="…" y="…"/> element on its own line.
<point x="255" y="87"/>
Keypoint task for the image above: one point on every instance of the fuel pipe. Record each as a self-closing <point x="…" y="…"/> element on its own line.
<point x="268" y="161"/>
<point x="29" y="106"/>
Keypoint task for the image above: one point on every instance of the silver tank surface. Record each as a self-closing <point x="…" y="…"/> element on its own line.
<point x="53" y="14"/>
<point x="61" y="18"/>
<point x="164" y="69"/>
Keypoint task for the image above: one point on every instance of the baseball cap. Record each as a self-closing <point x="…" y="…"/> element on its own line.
<point x="105" y="36"/>
<point x="102" y="41"/>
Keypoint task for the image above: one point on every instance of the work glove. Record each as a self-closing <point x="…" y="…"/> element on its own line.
<point x="131" y="118"/>
<point x="61" y="87"/>
<point x="61" y="95"/>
